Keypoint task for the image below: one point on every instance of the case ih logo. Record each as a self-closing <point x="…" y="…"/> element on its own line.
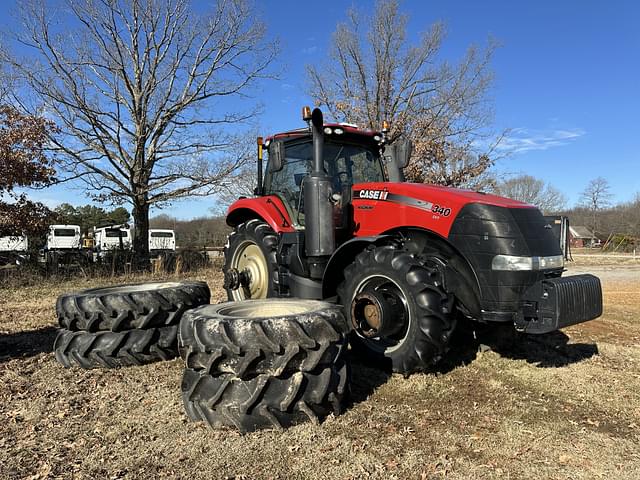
<point x="373" y="194"/>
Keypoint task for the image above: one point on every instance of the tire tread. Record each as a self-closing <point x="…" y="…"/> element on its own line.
<point x="249" y="347"/>
<point x="115" y="349"/>
<point x="93" y="311"/>
<point x="265" y="401"/>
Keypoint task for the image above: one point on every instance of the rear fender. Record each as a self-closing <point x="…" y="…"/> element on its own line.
<point x="269" y="208"/>
<point x="343" y="256"/>
<point x="460" y="277"/>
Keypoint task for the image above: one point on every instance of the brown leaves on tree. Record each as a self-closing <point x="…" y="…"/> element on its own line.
<point x="23" y="163"/>
<point x="24" y="217"/>
<point x="445" y="163"/>
<point x="374" y="73"/>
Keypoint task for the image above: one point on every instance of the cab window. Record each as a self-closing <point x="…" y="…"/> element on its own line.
<point x="346" y="164"/>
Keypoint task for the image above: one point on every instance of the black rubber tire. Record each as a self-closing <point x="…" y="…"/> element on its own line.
<point x="431" y="323"/>
<point x="293" y="335"/>
<point x="115" y="349"/>
<point x="265" y="401"/>
<point x="260" y="233"/>
<point x="125" y="307"/>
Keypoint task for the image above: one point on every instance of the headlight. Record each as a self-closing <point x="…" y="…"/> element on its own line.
<point x="511" y="263"/>
<point x="514" y="263"/>
<point x="556" y="261"/>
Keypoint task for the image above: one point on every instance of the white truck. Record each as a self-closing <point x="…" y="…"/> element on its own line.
<point x="63" y="238"/>
<point x="63" y="246"/>
<point x="13" y="249"/>
<point x="115" y="237"/>
<point x="18" y="243"/>
<point x="161" y="240"/>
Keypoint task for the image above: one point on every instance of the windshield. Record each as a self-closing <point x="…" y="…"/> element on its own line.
<point x="116" y="233"/>
<point x="64" y="232"/>
<point x="344" y="163"/>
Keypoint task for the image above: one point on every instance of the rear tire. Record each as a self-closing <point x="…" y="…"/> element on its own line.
<point x="417" y="283"/>
<point x="252" y="247"/>
<point x="255" y="337"/>
<point x="127" y="307"/>
<point x="265" y="401"/>
<point x="115" y="349"/>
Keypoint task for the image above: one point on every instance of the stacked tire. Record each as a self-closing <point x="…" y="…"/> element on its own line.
<point x="124" y="326"/>
<point x="264" y="363"/>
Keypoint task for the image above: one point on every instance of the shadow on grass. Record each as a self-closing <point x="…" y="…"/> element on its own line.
<point x="26" y="344"/>
<point x="550" y="350"/>
<point x="366" y="377"/>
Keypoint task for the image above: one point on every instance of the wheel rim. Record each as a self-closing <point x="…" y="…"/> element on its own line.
<point x="394" y="292"/>
<point x="249" y="258"/>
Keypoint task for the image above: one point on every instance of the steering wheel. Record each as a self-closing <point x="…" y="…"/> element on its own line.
<point x="338" y="178"/>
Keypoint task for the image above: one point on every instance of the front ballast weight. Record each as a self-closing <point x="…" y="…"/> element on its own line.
<point x="556" y="303"/>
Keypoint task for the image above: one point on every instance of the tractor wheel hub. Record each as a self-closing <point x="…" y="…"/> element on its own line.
<point x="234" y="279"/>
<point x="374" y="315"/>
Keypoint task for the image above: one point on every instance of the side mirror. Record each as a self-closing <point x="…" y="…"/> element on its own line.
<point x="401" y="152"/>
<point x="276" y="156"/>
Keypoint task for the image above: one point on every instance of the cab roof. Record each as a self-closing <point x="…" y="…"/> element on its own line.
<point x="348" y="129"/>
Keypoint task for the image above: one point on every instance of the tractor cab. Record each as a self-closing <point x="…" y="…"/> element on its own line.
<point x="350" y="155"/>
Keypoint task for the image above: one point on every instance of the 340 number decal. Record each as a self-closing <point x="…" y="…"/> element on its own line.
<point x="444" y="211"/>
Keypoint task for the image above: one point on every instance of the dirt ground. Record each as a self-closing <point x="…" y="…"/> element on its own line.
<point x="562" y="405"/>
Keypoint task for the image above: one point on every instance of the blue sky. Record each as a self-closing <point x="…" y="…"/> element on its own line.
<point x="567" y="82"/>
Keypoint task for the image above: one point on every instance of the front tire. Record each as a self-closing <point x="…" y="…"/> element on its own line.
<point x="422" y="323"/>
<point x="250" y="257"/>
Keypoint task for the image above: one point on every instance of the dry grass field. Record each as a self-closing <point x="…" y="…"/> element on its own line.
<point x="563" y="405"/>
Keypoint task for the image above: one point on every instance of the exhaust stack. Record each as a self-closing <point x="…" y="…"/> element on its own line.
<point x="319" y="222"/>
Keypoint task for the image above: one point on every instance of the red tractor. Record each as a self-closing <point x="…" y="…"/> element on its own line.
<point x="334" y="219"/>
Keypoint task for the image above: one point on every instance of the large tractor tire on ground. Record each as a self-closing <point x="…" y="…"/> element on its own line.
<point x="115" y="349"/>
<point x="265" y="401"/>
<point x="125" y="307"/>
<point x="412" y="289"/>
<point x="254" y="337"/>
<point x="250" y="264"/>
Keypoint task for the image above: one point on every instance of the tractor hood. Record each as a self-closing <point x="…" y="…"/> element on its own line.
<point x="384" y="206"/>
<point x="430" y="193"/>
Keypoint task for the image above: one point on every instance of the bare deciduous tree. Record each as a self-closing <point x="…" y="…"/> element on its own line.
<point x="141" y="91"/>
<point x="374" y="74"/>
<point x="244" y="180"/>
<point x="596" y="197"/>
<point x="534" y="191"/>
